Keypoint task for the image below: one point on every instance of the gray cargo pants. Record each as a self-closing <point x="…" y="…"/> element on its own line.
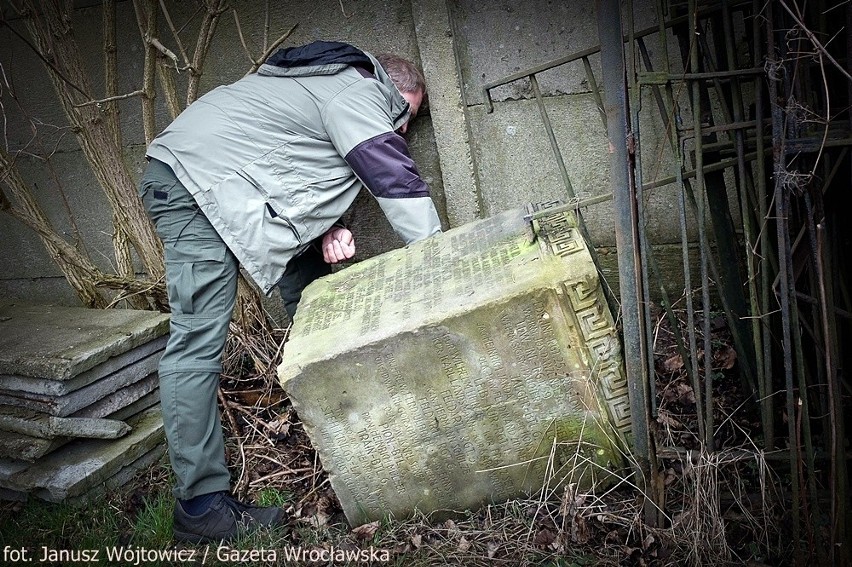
<point x="201" y="277"/>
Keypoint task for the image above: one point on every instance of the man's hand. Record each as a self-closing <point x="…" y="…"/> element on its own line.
<point x="337" y="245"/>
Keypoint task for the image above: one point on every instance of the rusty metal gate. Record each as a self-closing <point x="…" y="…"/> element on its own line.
<point x="756" y="111"/>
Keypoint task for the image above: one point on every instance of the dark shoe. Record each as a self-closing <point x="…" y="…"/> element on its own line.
<point x="222" y="520"/>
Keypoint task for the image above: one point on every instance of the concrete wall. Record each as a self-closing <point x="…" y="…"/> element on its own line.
<point x="477" y="163"/>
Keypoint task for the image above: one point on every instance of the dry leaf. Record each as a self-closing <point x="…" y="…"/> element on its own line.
<point x="417" y="541"/>
<point x="544" y="537"/>
<point x="492" y="548"/>
<point x="686" y="395"/>
<point x="679" y="392"/>
<point x="280" y="426"/>
<point x="579" y="531"/>
<point x="319" y="519"/>
<point x="464" y="544"/>
<point x="725" y="357"/>
<point x="665" y="418"/>
<point x="366" y="531"/>
<point x="317" y="513"/>
<point x="673" y="364"/>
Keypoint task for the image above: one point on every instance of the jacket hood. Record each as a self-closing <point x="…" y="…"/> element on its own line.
<point x="329" y="58"/>
<point x="317" y="58"/>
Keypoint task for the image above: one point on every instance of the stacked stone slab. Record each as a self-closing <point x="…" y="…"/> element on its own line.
<point x="476" y="366"/>
<point x="78" y="396"/>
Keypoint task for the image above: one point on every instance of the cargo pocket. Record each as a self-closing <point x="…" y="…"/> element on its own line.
<point x="201" y="276"/>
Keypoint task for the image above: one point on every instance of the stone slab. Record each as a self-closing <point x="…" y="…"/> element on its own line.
<point x="83" y="465"/>
<point x="149" y="400"/>
<point x="121" y="398"/>
<point x="67" y="404"/>
<point x="28" y="422"/>
<point x="29" y="448"/>
<point x="119" y="479"/>
<point x="115" y="365"/>
<point x="59" y="343"/>
<point x="474" y="366"/>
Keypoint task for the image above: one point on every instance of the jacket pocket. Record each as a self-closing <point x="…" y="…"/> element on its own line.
<point x="256" y="228"/>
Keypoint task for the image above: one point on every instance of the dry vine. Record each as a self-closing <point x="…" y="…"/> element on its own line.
<point x="94" y="120"/>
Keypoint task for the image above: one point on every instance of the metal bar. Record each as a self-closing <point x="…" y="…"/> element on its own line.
<point x="732" y="74"/>
<point x="767" y="417"/>
<point x="745" y="211"/>
<point x="690" y="360"/>
<point x="728" y="280"/>
<point x="702" y="237"/>
<point x="781" y="199"/>
<point x="678" y="178"/>
<point x="477" y="184"/>
<point x="646" y="58"/>
<point x="804" y="424"/>
<point x="801" y="234"/>
<point x="717" y="166"/>
<point x="839" y="478"/>
<point x="593" y="85"/>
<point x="612" y="63"/>
<point x="649" y="253"/>
<point x="566" y="179"/>
<point x="644" y="246"/>
<point x="740" y="180"/>
<point x="580" y="54"/>
<point x="551" y="137"/>
<point x="814" y="301"/>
<point x="741" y="454"/>
<point x="540" y="68"/>
<point x="742" y="125"/>
<point x="800" y="145"/>
<point x="804" y="408"/>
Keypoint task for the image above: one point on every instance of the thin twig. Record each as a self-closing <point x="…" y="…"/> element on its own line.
<point x="164" y="50"/>
<point x="270" y="49"/>
<point x="175" y="34"/>
<point x="101" y="101"/>
<point x="814" y="40"/>
<point x="242" y="38"/>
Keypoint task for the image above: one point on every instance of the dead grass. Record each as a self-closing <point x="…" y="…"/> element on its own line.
<point x="722" y="508"/>
<point x="719" y="506"/>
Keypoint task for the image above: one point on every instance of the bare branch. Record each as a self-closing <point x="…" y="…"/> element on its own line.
<point x="343" y="10"/>
<point x="76" y="267"/>
<point x="240" y="33"/>
<point x="111" y="68"/>
<point x="44" y="59"/>
<point x="5" y="204"/>
<point x="175" y="34"/>
<point x="50" y="29"/>
<point x="270" y="49"/>
<point x="167" y="82"/>
<point x="146" y="19"/>
<point x="266" y="25"/>
<point x="164" y="50"/>
<point x="110" y="99"/>
<point x="215" y="8"/>
<point x="814" y="40"/>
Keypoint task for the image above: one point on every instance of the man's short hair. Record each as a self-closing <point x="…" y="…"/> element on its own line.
<point x="405" y="76"/>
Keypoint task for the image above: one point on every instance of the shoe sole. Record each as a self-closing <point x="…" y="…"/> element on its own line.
<point x="190" y="537"/>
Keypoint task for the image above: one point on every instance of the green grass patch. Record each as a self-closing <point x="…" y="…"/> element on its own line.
<point x="153" y="525"/>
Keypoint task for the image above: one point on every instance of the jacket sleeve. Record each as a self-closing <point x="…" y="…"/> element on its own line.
<point x="359" y="125"/>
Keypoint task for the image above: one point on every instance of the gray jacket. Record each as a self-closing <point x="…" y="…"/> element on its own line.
<point x="275" y="159"/>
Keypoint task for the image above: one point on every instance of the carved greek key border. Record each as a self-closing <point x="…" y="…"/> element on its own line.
<point x="597" y="329"/>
